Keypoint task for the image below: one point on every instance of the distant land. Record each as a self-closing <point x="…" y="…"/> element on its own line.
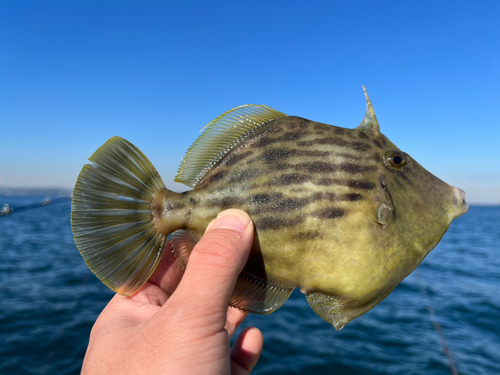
<point x="35" y="191"/>
<point x="55" y="192"/>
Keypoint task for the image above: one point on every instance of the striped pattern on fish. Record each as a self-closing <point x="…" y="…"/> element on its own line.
<point x="342" y="214"/>
<point x="275" y="171"/>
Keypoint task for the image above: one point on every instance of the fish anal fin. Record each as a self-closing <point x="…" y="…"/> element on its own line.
<point x="331" y="309"/>
<point x="257" y="295"/>
<point x="251" y="293"/>
<point x="183" y="243"/>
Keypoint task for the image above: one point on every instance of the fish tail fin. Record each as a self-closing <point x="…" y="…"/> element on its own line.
<point x="111" y="216"/>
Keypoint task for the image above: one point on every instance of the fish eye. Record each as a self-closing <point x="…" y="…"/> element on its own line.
<point x="395" y="159"/>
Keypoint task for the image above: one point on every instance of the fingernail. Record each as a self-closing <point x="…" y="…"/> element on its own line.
<point x="232" y="219"/>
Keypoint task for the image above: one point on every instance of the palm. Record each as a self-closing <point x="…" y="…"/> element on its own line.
<point x="178" y="327"/>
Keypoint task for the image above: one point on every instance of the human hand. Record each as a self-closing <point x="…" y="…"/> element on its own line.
<point x="181" y="323"/>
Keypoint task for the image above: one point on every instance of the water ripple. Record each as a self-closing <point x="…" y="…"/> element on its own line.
<point x="50" y="302"/>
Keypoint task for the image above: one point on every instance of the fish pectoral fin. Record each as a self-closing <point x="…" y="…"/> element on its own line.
<point x="257" y="295"/>
<point x="331" y="309"/>
<point x="219" y="137"/>
<point x="183" y="243"/>
<point x="383" y="213"/>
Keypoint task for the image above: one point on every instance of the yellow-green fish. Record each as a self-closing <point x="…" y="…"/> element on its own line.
<point x="342" y="214"/>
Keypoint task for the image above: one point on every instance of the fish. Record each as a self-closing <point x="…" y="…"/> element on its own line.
<point x="342" y="214"/>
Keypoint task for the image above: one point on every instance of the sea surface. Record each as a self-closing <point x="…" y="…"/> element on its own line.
<point x="49" y="301"/>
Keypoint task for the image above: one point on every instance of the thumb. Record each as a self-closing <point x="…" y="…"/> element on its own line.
<point x="214" y="265"/>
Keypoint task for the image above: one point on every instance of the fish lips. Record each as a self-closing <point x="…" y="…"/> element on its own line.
<point x="461" y="206"/>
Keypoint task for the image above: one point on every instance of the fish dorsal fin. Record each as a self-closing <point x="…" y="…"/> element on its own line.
<point x="370" y="122"/>
<point x="219" y="137"/>
<point x="251" y="293"/>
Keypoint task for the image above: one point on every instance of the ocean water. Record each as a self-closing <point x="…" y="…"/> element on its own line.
<point x="49" y="301"/>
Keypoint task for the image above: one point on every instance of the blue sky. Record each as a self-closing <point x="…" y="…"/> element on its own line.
<point x="75" y="73"/>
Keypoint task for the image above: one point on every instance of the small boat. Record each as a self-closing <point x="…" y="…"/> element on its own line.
<point x="6" y="210"/>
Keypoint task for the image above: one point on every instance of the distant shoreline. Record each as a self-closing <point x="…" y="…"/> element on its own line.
<point x="35" y="191"/>
<point x="63" y="193"/>
<point x="484" y="204"/>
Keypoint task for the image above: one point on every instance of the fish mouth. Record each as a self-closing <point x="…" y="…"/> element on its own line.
<point x="461" y="206"/>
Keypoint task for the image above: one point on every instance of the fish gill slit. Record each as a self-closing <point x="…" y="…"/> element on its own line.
<point x="387" y="193"/>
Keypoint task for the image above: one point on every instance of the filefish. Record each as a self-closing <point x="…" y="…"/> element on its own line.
<point x="343" y="214"/>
